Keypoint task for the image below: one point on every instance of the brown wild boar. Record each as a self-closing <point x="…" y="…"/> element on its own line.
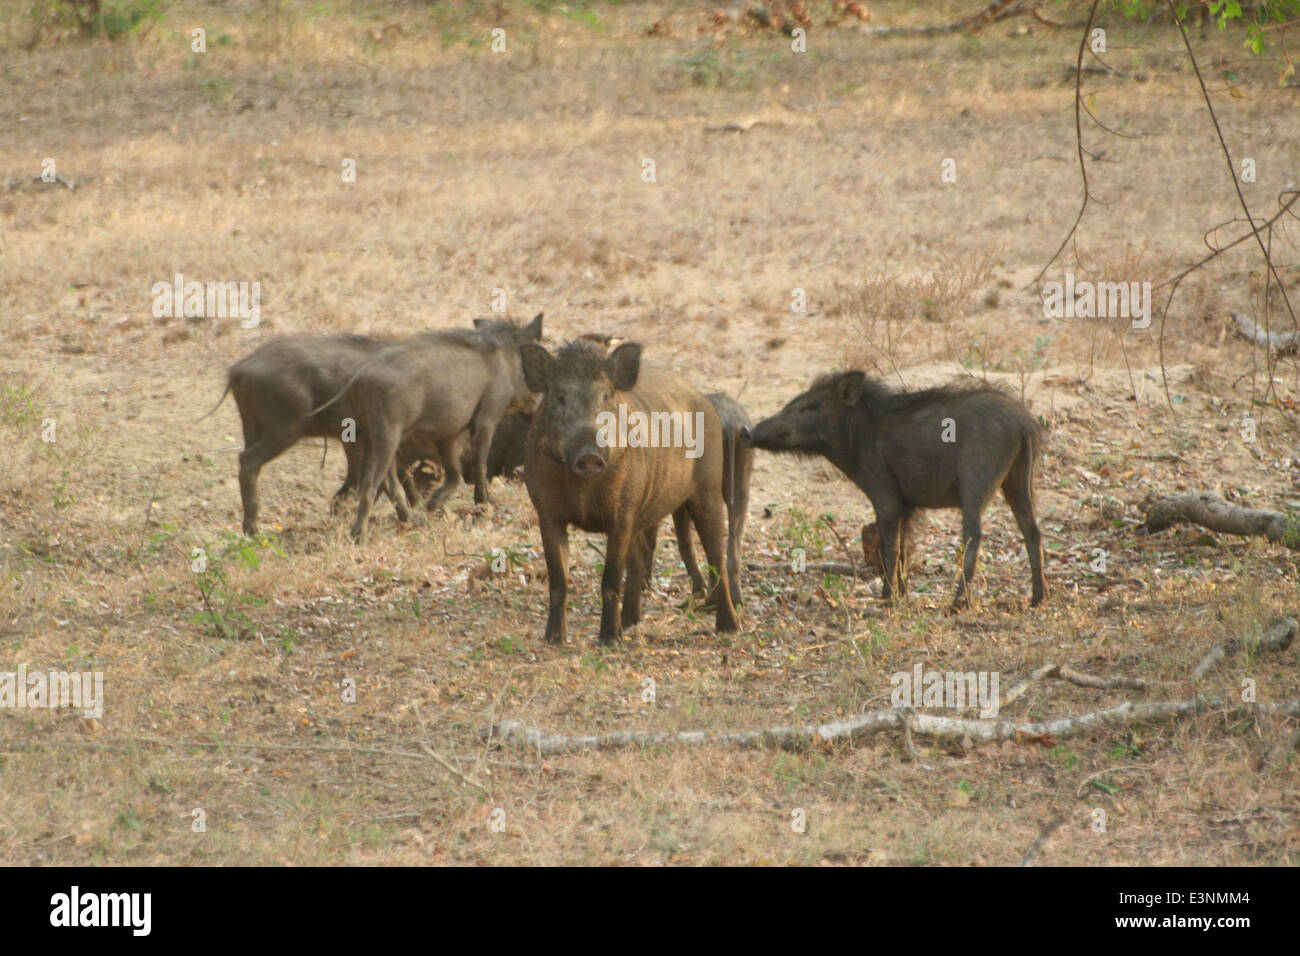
<point x="583" y="469"/>
<point x="737" y="467"/>
<point x="452" y="387"/>
<point x="949" y="447"/>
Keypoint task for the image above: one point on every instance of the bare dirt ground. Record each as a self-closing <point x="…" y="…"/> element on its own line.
<point x="523" y="171"/>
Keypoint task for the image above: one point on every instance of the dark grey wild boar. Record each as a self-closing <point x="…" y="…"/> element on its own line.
<point x="737" y="467"/>
<point x="452" y="387"/>
<point x="579" y="473"/>
<point x="505" y="457"/>
<point x="276" y="389"/>
<point x="949" y="447"/>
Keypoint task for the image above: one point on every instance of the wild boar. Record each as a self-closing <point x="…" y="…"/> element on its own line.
<point x="504" y="458"/>
<point x="949" y="447"/>
<point x="737" y="467"/>
<point x="451" y="387"/>
<point x="598" y="458"/>
<point x="276" y="389"/>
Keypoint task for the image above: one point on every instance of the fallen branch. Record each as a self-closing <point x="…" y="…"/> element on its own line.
<point x="843" y="569"/>
<point x="1101" y="683"/>
<point x="1073" y="677"/>
<point x="1278" y="343"/>
<point x="998" y="10"/>
<point x="1276" y="637"/>
<point x="1043" y="836"/>
<point x="514" y="733"/>
<point x="1210" y="511"/>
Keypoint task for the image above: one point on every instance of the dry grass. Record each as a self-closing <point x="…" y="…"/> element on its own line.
<point x="523" y="172"/>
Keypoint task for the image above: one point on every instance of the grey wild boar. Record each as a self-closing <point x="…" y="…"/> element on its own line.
<point x="737" y="467"/>
<point x="276" y="389"/>
<point x="505" y="457"/>
<point x="949" y="447"/>
<point x="598" y="458"/>
<point x="452" y="387"/>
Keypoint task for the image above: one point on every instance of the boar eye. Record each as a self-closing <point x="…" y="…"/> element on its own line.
<point x="559" y="399"/>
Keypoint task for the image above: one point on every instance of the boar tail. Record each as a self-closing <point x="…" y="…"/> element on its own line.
<point x="343" y="391"/>
<point x="1031" y="448"/>
<point x="734" y="440"/>
<point x="216" y="406"/>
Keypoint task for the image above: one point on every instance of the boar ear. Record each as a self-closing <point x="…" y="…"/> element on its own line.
<point x="533" y="330"/>
<point x="848" y="387"/>
<point x="537" y="366"/>
<point x="626" y="362"/>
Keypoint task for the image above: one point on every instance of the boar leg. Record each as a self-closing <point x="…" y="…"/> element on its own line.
<point x="710" y="518"/>
<point x="407" y="478"/>
<point x="448" y="457"/>
<point x="904" y="549"/>
<point x="889" y="525"/>
<point x="682" y="528"/>
<point x="971" y="512"/>
<point x="376" y="467"/>
<point x="555" y="545"/>
<point x="353" y="455"/>
<point x="737" y="509"/>
<point x="639" y="557"/>
<point x="397" y="494"/>
<point x="617" y="544"/>
<point x="480" y="442"/>
<point x="648" y="556"/>
<point x="259" y="448"/>
<point x="1018" y="489"/>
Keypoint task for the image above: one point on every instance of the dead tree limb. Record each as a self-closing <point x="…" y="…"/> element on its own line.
<point x="1072" y="676"/>
<point x="1276" y="637"/>
<point x="1210" y="511"/>
<point x="842" y="568"/>
<point x="995" y="11"/>
<point x="946" y="729"/>
<point x="1101" y="683"/>
<point x="1279" y="343"/>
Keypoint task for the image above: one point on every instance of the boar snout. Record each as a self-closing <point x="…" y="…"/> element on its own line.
<point x="588" y="463"/>
<point x="769" y="434"/>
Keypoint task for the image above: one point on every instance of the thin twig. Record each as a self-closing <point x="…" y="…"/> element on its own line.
<point x="1044" y="835"/>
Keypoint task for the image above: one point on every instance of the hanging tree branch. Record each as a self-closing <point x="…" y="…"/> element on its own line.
<point x="1255" y="230"/>
<point x="1078" y="139"/>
